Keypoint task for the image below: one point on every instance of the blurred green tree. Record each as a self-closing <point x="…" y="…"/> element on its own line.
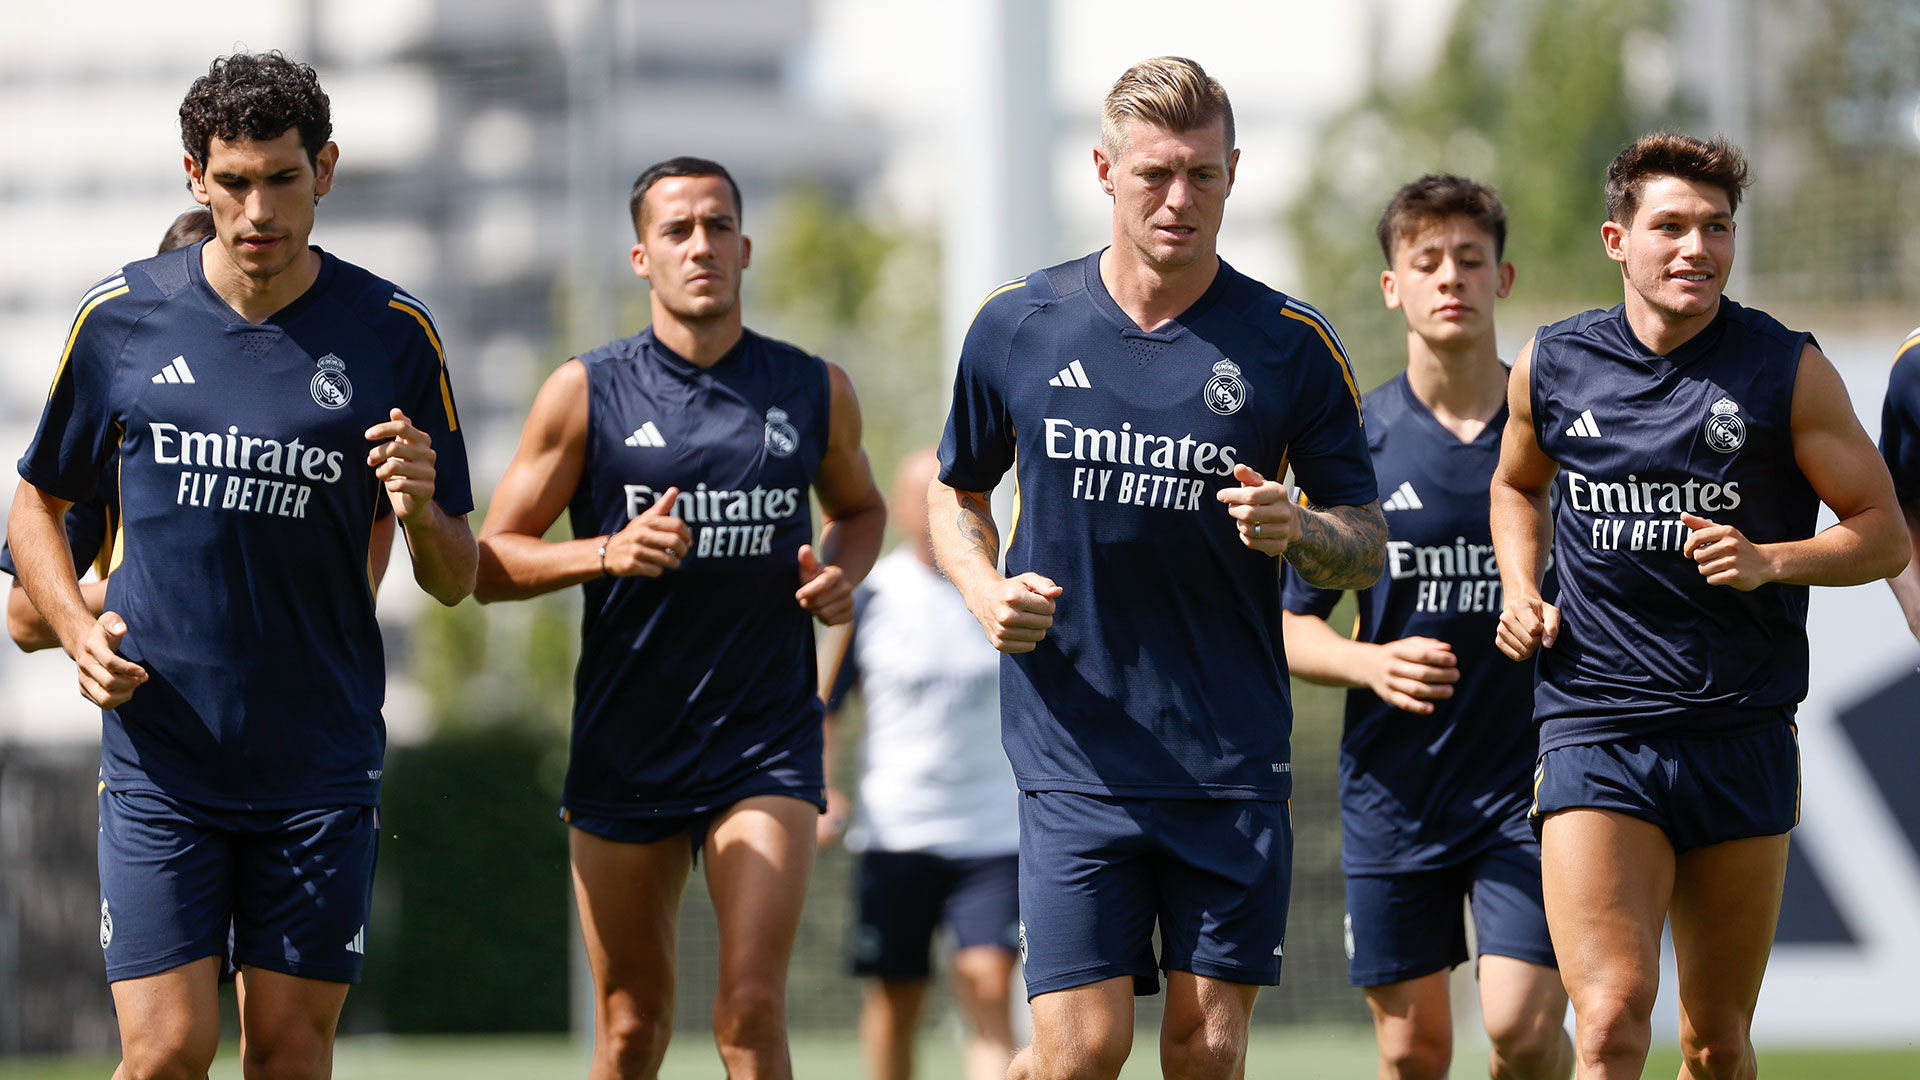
<point x="1532" y="96"/>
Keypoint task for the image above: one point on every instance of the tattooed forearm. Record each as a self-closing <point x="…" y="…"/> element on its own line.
<point x="1341" y="547"/>
<point x="974" y="521"/>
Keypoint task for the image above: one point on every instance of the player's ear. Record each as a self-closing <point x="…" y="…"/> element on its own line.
<point x="746" y="250"/>
<point x="639" y="258"/>
<point x="1233" y="163"/>
<point x="196" y="180"/>
<point x="1506" y="281"/>
<point x="1103" y="168"/>
<point x="323" y="164"/>
<point x="1390" y="290"/>
<point x="1613" y="236"/>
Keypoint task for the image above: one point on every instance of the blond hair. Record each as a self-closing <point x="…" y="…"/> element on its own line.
<point x="1169" y="92"/>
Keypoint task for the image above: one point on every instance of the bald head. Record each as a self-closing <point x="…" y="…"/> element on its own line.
<point x="907" y="502"/>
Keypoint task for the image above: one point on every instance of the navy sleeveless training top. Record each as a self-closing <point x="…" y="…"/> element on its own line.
<point x="697" y="688"/>
<point x="1646" y="645"/>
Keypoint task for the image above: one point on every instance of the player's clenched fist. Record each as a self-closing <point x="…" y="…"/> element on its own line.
<point x="1263" y="511"/>
<point x="106" y="678"/>
<point x="1725" y="556"/>
<point x="1412" y="673"/>
<point x="824" y="589"/>
<point x="650" y="544"/>
<point x="1527" y="623"/>
<point x="1015" y="612"/>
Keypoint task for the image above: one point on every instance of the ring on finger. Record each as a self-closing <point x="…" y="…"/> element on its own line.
<point x="1256" y="530"/>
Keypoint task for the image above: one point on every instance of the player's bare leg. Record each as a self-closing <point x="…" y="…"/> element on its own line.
<point x="1726" y="903"/>
<point x="288" y="1023"/>
<point x="1203" y="1034"/>
<point x="169" y="1022"/>
<point x="1413" y="1027"/>
<point x="982" y="984"/>
<point x="759" y="855"/>
<point x="1607" y="879"/>
<point x="889" y="1017"/>
<point x="628" y="896"/>
<point x="1524" y="1008"/>
<point x="1082" y="1033"/>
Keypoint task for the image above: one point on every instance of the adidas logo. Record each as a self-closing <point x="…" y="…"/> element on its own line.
<point x="359" y="942"/>
<point x="1403" y="498"/>
<point x="1585" y="428"/>
<point x="1071" y="375"/>
<point x="175" y="372"/>
<point x="646" y="435"/>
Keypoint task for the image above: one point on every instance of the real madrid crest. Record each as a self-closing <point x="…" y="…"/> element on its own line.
<point x="1225" y="393"/>
<point x="330" y="386"/>
<point x="782" y="438"/>
<point x="1725" y="431"/>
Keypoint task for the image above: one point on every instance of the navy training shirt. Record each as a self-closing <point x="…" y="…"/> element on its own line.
<point x="1164" y="673"/>
<point x="1426" y="792"/>
<point x="698" y="687"/>
<point x="1646" y="645"/>
<point x="1900" y="421"/>
<point x="246" y="509"/>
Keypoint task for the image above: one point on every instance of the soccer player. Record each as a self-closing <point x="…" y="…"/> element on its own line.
<point x="1693" y="441"/>
<point x="89" y="524"/>
<point x="265" y="405"/>
<point x="935" y="824"/>
<point x="684" y="456"/>
<point x="1437" y="756"/>
<point x="1151" y="397"/>
<point x="1900" y="445"/>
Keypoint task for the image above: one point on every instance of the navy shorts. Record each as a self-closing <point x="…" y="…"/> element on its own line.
<point x="648" y="827"/>
<point x="1404" y="926"/>
<point x="904" y="896"/>
<point x="1098" y="873"/>
<point x="1701" y="791"/>
<point x="283" y="890"/>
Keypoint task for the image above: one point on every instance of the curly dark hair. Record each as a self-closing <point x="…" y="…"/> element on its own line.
<point x="258" y="97"/>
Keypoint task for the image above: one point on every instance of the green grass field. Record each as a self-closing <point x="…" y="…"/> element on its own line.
<point x="1337" y="1053"/>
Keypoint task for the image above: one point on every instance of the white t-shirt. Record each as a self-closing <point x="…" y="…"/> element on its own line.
<point x="933" y="776"/>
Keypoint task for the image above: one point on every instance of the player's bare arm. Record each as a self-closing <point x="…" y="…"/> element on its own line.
<point x="30" y="630"/>
<point x="1906" y="584"/>
<point x="37" y="534"/>
<point x="441" y="544"/>
<point x="1846" y="471"/>
<point x="853" y="514"/>
<point x="515" y="562"/>
<point x="1015" y="612"/>
<point x="1334" y="547"/>
<point x="1409" y="674"/>
<point x="1521" y="521"/>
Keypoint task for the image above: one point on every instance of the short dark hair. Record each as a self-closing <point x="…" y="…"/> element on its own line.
<point x="1434" y="197"/>
<point x="258" y="97"/>
<point x="679" y="166"/>
<point x="191" y="227"/>
<point x="1668" y="153"/>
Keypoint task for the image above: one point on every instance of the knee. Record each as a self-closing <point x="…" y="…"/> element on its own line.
<point x="285" y="1057"/>
<point x="1210" y="1050"/>
<point x="1083" y="1058"/>
<point x="1725" y="1055"/>
<point x="632" y="1035"/>
<point x="1610" y="1024"/>
<point x="750" y="1014"/>
<point x="1530" y="1051"/>
<point x="1416" y="1053"/>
